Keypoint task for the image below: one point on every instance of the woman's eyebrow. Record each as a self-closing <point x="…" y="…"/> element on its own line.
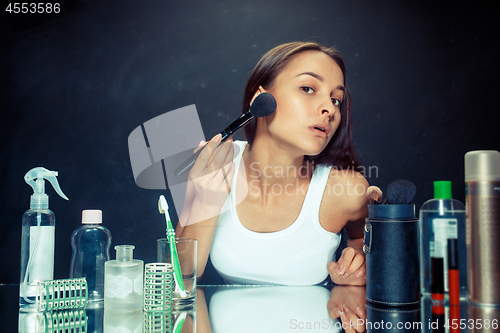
<point x="320" y="78"/>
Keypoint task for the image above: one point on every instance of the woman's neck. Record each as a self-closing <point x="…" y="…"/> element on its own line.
<point x="271" y="163"/>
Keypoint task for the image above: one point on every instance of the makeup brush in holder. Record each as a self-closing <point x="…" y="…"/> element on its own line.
<point x="391" y="247"/>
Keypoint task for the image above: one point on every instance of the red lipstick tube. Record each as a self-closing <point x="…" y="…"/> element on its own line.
<point x="453" y="279"/>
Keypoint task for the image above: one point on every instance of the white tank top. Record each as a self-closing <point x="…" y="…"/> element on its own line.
<point x="297" y="255"/>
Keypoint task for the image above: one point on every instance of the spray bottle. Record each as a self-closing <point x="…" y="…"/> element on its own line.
<point x="38" y="236"/>
<point x="482" y="192"/>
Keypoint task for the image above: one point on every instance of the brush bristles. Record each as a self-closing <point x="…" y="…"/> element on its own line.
<point x="374" y="194"/>
<point x="401" y="192"/>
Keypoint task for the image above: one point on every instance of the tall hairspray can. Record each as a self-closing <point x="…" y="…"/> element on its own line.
<point x="482" y="185"/>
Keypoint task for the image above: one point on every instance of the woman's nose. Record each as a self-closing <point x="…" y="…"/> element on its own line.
<point x="327" y="108"/>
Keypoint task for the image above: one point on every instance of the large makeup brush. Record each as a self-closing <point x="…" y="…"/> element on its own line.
<point x="264" y="105"/>
<point x="401" y="192"/>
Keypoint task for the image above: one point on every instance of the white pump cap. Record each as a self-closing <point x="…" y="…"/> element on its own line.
<point x="482" y="165"/>
<point x="92" y="216"/>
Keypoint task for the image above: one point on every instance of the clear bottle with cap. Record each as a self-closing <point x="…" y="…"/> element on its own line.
<point x="440" y="219"/>
<point x="123" y="280"/>
<point x="37" y="236"/>
<point x="482" y="191"/>
<point x="90" y="244"/>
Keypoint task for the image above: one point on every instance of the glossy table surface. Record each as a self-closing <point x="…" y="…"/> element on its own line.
<point x="272" y="309"/>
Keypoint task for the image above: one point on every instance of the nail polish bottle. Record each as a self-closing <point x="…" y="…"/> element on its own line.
<point x="437" y="279"/>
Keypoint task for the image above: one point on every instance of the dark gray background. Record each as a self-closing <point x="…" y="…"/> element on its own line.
<point x="423" y="77"/>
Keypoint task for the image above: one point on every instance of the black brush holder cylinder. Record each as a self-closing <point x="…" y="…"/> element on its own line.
<point x="392" y="319"/>
<point x="391" y="248"/>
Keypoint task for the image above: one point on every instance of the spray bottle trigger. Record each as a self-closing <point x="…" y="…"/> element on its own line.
<point x="40" y="174"/>
<point x="53" y="180"/>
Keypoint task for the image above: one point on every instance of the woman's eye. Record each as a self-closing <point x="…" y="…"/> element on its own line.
<point x="307" y="89"/>
<point x="336" y="102"/>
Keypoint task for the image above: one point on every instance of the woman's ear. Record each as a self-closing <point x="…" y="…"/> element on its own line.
<point x="257" y="93"/>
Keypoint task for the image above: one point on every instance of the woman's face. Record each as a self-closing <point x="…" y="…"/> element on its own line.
<point x="309" y="93"/>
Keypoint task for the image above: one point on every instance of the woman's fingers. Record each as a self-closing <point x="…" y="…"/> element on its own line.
<point x="212" y="173"/>
<point x="352" y="262"/>
<point x="351" y="320"/>
<point x="333" y="268"/>
<point x="350" y="269"/>
<point x="200" y="145"/>
<point x="204" y="162"/>
<point x="334" y="305"/>
<point x="346" y="259"/>
<point x="221" y="155"/>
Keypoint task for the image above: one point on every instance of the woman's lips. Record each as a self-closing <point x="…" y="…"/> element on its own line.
<point x="318" y="131"/>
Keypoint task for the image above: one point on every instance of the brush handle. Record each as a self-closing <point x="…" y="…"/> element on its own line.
<point x="179" y="322"/>
<point x="175" y="257"/>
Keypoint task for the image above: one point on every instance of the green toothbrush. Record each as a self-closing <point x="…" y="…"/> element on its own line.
<point x="179" y="322"/>
<point x="163" y="208"/>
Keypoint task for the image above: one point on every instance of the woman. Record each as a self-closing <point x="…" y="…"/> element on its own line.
<point x="274" y="215"/>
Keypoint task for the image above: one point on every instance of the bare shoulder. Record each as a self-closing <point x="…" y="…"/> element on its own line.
<point x="347" y="187"/>
<point x="344" y="199"/>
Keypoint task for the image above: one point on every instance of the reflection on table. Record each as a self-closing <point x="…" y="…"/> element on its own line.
<point x="263" y="309"/>
<point x="218" y="309"/>
<point x="271" y="309"/>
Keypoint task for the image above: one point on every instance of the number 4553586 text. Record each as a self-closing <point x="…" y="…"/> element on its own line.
<point x="33" y="8"/>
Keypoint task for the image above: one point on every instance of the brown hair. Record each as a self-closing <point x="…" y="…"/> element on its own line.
<point x="340" y="151"/>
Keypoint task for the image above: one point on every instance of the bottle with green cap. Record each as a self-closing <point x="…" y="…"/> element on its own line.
<point x="440" y="219"/>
